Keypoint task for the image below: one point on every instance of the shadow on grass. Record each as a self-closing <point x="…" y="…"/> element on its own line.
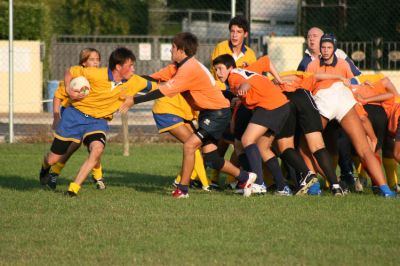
<point x="139" y="181"/>
<point x="114" y="178"/>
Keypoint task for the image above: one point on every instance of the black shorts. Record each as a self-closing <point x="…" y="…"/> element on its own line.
<point x="273" y="119"/>
<point x="212" y="124"/>
<point x="242" y="119"/>
<point x="397" y="137"/>
<point x="307" y="115"/>
<point x="289" y="128"/>
<point x="379" y="121"/>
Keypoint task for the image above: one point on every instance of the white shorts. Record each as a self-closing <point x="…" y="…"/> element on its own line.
<point x="334" y="102"/>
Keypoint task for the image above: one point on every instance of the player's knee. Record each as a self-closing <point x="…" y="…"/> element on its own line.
<point x="396" y="154"/>
<point x="213" y="160"/>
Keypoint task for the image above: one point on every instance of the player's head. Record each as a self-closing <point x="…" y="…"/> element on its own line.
<point x="313" y="38"/>
<point x="223" y="65"/>
<point x="89" y="57"/>
<point x="184" y="44"/>
<point x="123" y="61"/>
<point x="328" y="46"/>
<point x="238" y="30"/>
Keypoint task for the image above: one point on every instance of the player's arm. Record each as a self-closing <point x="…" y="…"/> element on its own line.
<point x="74" y="95"/>
<point x="126" y="105"/>
<point x="376" y="98"/>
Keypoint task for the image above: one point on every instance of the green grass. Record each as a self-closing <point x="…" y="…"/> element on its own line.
<point x="136" y="222"/>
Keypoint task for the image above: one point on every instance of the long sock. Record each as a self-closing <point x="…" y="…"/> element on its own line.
<point x="244" y="162"/>
<point x="254" y="157"/>
<point x="199" y="169"/>
<point x="293" y="158"/>
<point x="57" y="168"/>
<point x="273" y="166"/>
<point x="74" y="187"/>
<point x="183" y="188"/>
<point x="45" y="166"/>
<point x="97" y="173"/>
<point x="230" y="179"/>
<point x="243" y="176"/>
<point x="268" y="178"/>
<point x="325" y="162"/>
<point x="390" y="166"/>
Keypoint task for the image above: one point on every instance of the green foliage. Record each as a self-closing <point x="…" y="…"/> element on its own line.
<point x="31" y="21"/>
<point x="102" y="17"/>
<point x="135" y="221"/>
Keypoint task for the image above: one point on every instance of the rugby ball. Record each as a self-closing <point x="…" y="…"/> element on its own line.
<point x="80" y="84"/>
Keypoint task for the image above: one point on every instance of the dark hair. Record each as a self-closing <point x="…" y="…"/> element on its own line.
<point x="328" y="37"/>
<point x="119" y="56"/>
<point x="225" y="59"/>
<point x="187" y="42"/>
<point x="85" y="54"/>
<point x="239" y="21"/>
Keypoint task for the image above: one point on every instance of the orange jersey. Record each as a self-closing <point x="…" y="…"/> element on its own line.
<point x="263" y="92"/>
<point x="196" y="84"/>
<point x="176" y="105"/>
<point x="394" y="119"/>
<point x="339" y="67"/>
<point x="373" y="90"/>
<point x="260" y="66"/>
<point x="360" y="110"/>
<point x="294" y="80"/>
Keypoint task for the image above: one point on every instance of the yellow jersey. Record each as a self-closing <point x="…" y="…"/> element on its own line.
<point x="246" y="56"/>
<point x="106" y="95"/>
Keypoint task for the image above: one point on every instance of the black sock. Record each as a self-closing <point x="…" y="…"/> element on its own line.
<point x="255" y="161"/>
<point x="183" y="188"/>
<point x="273" y="166"/>
<point x="242" y="177"/>
<point x="325" y="162"/>
<point x="244" y="162"/>
<point x="293" y="158"/>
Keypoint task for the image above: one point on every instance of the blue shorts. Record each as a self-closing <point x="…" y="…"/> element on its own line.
<point x="75" y="126"/>
<point x="166" y="122"/>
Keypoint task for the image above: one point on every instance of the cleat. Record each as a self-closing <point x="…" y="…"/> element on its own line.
<point x="337" y="190"/>
<point x="175" y="184"/>
<point x="179" y="194"/>
<point x="195" y="184"/>
<point x="206" y="188"/>
<point x="100" y="184"/>
<point x="71" y="194"/>
<point x="390" y="194"/>
<point x="286" y="191"/>
<point x="258" y="189"/>
<point x="247" y="186"/>
<point x="52" y="183"/>
<point x="306" y="182"/>
<point x="232" y="186"/>
<point x="215" y="186"/>
<point x="44" y="176"/>
<point x="315" y="190"/>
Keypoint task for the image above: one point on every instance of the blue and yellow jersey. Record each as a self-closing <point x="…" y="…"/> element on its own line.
<point x="367" y="77"/>
<point x="225" y="47"/>
<point x="106" y="95"/>
<point x="61" y="94"/>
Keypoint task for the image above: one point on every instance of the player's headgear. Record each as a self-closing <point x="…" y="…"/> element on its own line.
<point x="328" y="37"/>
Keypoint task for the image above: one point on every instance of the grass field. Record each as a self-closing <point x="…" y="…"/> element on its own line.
<point x="136" y="222"/>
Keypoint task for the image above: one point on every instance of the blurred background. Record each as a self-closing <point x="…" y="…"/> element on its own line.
<point x="49" y="34"/>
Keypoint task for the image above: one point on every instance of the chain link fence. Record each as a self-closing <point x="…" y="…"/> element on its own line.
<point x="49" y="35"/>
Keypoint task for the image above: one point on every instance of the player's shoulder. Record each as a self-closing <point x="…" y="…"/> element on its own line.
<point x="340" y="54"/>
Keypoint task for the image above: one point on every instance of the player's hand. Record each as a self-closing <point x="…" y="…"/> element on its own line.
<point x="56" y="121"/>
<point x="368" y="83"/>
<point x="76" y="95"/>
<point x="360" y="99"/>
<point x="127" y="104"/>
<point x="347" y="82"/>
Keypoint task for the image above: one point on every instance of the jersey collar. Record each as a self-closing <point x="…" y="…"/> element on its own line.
<point x="334" y="62"/>
<point x="111" y="78"/>
<point x="243" y="49"/>
<point x="178" y="65"/>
